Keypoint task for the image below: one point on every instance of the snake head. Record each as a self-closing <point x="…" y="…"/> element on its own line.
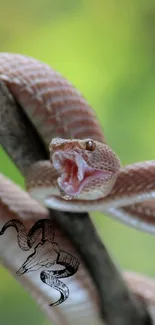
<point x="88" y="169"/>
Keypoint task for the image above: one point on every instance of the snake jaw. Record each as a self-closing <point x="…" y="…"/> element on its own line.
<point x="75" y="173"/>
<point x="71" y="168"/>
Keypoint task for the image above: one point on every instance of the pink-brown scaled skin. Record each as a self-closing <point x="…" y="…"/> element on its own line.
<point x="53" y="105"/>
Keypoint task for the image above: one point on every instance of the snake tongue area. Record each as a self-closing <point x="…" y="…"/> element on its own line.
<point x="75" y="173"/>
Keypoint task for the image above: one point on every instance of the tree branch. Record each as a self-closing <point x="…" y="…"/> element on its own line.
<point x="23" y="145"/>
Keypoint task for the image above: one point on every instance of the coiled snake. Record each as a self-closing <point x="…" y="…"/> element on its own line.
<point x="83" y="173"/>
<point x="82" y="168"/>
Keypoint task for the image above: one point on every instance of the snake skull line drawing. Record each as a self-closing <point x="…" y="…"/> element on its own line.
<point x="39" y="258"/>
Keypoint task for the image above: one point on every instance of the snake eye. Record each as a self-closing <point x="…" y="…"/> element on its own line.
<point x="90" y="145"/>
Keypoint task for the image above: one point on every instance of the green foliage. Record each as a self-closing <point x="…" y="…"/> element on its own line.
<point x="106" y="49"/>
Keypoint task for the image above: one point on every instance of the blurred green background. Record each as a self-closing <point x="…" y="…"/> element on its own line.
<point x="107" y="49"/>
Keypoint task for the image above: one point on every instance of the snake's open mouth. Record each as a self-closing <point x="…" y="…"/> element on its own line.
<point x="75" y="172"/>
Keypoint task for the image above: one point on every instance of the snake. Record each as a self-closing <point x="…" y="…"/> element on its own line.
<point x="83" y="173"/>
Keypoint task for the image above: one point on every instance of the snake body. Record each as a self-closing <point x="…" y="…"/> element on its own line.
<point x="83" y="168"/>
<point x="78" y="153"/>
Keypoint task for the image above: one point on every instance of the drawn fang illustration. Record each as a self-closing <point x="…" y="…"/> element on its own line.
<point x="46" y="254"/>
